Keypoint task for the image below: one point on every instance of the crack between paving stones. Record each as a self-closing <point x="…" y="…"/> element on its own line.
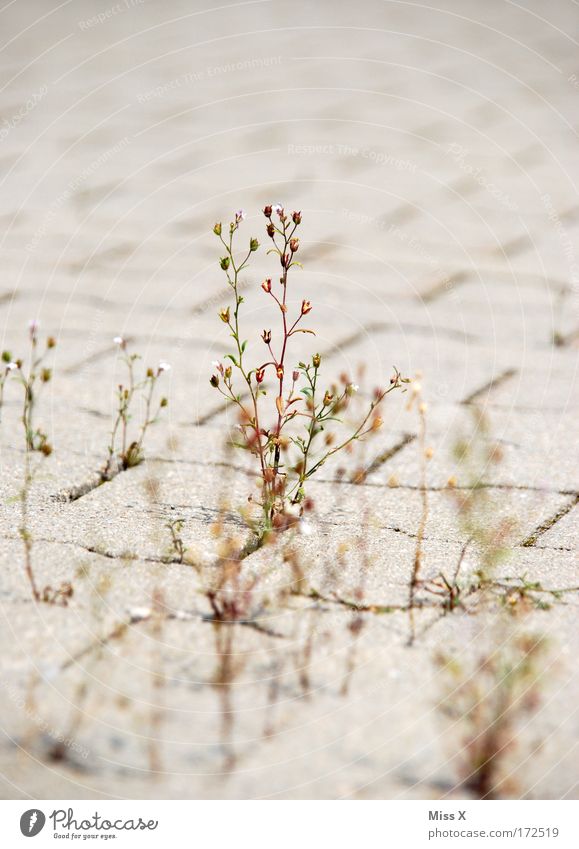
<point x="442" y="287"/>
<point x="383" y="457"/>
<point x="545" y="526"/>
<point x="489" y="385"/>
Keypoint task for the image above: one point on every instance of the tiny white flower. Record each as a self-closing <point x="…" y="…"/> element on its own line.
<point x="11" y="366"/>
<point x="240" y="214"/>
<point x="354" y="387"/>
<point x="215" y="363"/>
<point x="33" y="326"/>
<point x="305" y="528"/>
<point x="277" y="207"/>
<point x="118" y="340"/>
<point x="163" y="366"/>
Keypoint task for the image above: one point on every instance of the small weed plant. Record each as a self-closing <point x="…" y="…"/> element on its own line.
<point x="287" y="414"/>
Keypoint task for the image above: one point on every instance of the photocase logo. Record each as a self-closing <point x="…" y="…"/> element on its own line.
<point x="32" y="822"/>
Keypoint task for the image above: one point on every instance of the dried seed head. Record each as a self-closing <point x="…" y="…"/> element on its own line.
<point x="224" y="262"/>
<point x="266" y="285"/>
<point x="224" y="315"/>
<point x="266" y="336"/>
<point x="259" y="374"/>
<point x="316" y="360"/>
<point x="306" y="307"/>
<point x="270" y="229"/>
<point x="294" y="245"/>
<point x="217" y="228"/>
<point x="279" y="371"/>
<point x="51" y="342"/>
<point x="267" y="210"/>
<point x="214" y="380"/>
<point x="297" y="217"/>
<point x="328" y="398"/>
<point x="253" y="245"/>
<point x="295" y="375"/>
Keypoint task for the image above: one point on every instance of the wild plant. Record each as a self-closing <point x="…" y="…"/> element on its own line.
<point x="124" y="452"/>
<point x="479" y="522"/>
<point x="280" y="423"/>
<point x="487" y="700"/>
<point x="33" y="377"/>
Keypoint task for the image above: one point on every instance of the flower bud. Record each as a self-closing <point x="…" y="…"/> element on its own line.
<point x="266" y="336"/>
<point x="224" y="262"/>
<point x="253" y="245"/>
<point x="163" y="402"/>
<point x="45" y="375"/>
<point x="279" y="371"/>
<point x="316" y="360"/>
<point x="259" y="374"/>
<point x="306" y="307"/>
<point x="297" y="218"/>
<point x="214" y="381"/>
<point x="267" y="210"/>
<point x="224" y="315"/>
<point x="328" y="398"/>
<point x="270" y="230"/>
<point x="6" y="357"/>
<point x="51" y="342"/>
<point x="217" y="229"/>
<point x="295" y="375"/>
<point x="294" y="245"/>
<point x="266" y="285"/>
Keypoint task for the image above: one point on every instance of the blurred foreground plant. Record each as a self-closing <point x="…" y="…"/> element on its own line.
<point x="487" y="700"/>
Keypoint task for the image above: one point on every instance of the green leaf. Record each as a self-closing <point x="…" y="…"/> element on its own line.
<point x="232" y="358"/>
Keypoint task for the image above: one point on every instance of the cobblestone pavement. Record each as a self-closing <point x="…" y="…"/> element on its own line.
<point x="432" y="149"/>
